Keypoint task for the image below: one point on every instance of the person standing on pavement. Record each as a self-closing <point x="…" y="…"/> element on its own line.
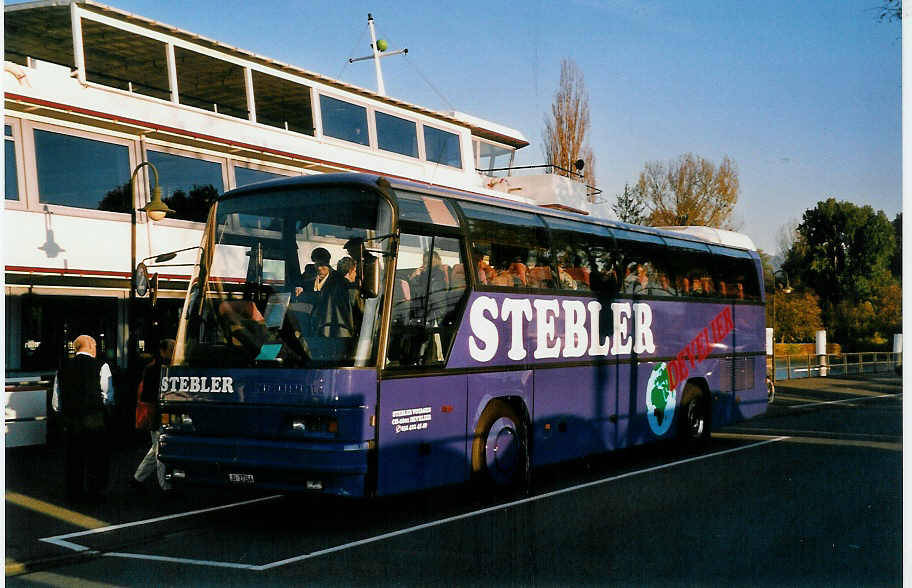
<point x="148" y="393"/>
<point x="82" y="391"/>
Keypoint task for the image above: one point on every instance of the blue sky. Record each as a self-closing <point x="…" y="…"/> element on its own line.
<point x="803" y="96"/>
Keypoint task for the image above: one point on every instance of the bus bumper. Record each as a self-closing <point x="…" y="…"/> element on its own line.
<point x="290" y="466"/>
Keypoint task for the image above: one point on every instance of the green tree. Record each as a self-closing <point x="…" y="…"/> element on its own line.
<point x="690" y="190"/>
<point x="896" y="260"/>
<point x="628" y="207"/>
<point x="844" y="252"/>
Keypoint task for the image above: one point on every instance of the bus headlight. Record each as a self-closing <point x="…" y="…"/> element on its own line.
<point x="179" y="421"/>
<point x="315" y="425"/>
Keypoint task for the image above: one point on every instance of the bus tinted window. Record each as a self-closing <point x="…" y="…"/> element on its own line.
<point x="510" y="248"/>
<point x="426" y="209"/>
<point x="430" y="283"/>
<point x="581" y="251"/>
<point x="643" y="266"/>
<point x="736" y="274"/>
<point x="691" y="266"/>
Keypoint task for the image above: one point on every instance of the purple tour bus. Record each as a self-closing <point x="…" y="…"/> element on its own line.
<point x="359" y="336"/>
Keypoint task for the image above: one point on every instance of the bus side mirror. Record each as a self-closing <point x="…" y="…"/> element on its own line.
<point x="141" y="280"/>
<point x="370" y="285"/>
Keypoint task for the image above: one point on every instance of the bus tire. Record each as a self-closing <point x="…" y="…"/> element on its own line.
<point x="500" y="450"/>
<point x="695" y="418"/>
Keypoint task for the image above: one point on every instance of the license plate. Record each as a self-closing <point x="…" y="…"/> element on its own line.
<point x="241" y="478"/>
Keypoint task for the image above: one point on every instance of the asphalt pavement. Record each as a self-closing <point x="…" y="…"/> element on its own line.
<point x="36" y="506"/>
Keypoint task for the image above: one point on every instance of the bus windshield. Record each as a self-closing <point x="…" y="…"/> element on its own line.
<point x="283" y="280"/>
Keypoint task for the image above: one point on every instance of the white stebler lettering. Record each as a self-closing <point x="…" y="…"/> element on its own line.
<point x="209" y="384"/>
<point x="632" y="328"/>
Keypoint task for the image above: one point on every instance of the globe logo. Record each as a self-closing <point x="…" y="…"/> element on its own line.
<point x="660" y="400"/>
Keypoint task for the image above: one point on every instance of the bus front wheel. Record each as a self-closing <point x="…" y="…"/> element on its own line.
<point x="500" y="452"/>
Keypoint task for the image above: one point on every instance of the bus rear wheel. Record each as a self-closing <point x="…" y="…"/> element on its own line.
<point x="695" y="416"/>
<point x="500" y="450"/>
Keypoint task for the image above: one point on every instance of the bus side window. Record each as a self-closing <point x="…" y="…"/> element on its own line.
<point x="430" y="283"/>
<point x="512" y="247"/>
<point x="641" y="264"/>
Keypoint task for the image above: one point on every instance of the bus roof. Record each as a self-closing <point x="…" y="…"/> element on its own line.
<point x="720" y="237"/>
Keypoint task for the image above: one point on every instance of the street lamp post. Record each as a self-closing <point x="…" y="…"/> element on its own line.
<point x="787" y="289"/>
<point x="156" y="210"/>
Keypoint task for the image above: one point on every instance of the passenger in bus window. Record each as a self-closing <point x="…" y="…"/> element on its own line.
<point x="540" y="273"/>
<point x="431" y="269"/>
<point x="661" y="286"/>
<point x="579" y="273"/>
<point x="348" y="269"/>
<point x="518" y="270"/>
<point x="566" y="280"/>
<point x="315" y="283"/>
<point x="482" y="261"/>
<point x="340" y="308"/>
<point x="636" y="281"/>
<point x="355" y="249"/>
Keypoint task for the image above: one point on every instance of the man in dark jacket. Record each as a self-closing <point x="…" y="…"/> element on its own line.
<point x="82" y="405"/>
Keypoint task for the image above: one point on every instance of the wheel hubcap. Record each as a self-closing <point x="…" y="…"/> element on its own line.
<point x="502" y="450"/>
<point x="695" y="419"/>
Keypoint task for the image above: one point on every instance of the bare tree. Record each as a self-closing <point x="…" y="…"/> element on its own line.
<point x="566" y="128"/>
<point x="689" y="191"/>
<point x="786" y="236"/>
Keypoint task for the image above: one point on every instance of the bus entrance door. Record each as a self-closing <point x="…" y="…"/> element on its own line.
<point x="422" y="439"/>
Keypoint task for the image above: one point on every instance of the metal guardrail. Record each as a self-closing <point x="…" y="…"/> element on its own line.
<point x="804" y="365"/>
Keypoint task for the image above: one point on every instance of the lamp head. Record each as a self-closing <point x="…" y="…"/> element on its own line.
<point x="156" y="209"/>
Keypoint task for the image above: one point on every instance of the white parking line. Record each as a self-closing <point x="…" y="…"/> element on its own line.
<point x="61" y="539"/>
<point x="853" y="399"/>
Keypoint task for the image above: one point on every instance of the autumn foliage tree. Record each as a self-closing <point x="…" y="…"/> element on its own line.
<point x="847" y="254"/>
<point x="798" y="316"/>
<point x="690" y="190"/>
<point x="566" y="128"/>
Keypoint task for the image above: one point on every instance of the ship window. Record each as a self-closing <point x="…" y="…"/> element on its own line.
<point x="491" y="157"/>
<point x="188" y="185"/>
<point x="282" y="103"/>
<point x="210" y="84"/>
<point x="119" y="59"/>
<point x="344" y="120"/>
<point x="10" y="170"/>
<point x="81" y="172"/>
<point x="442" y="147"/>
<point x="397" y="134"/>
